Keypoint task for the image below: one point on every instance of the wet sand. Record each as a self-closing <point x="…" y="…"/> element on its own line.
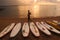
<point x="6" y="21"/>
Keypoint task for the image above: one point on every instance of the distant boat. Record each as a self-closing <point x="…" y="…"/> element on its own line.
<point x="50" y="28"/>
<point x="25" y="29"/>
<point x="43" y="28"/>
<point x="34" y="29"/>
<point x="15" y="30"/>
<point x="7" y="29"/>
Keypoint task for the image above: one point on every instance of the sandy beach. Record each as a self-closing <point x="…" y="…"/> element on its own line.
<point x="6" y="21"/>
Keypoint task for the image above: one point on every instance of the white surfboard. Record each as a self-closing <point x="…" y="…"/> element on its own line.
<point x="34" y="29"/>
<point x="43" y="28"/>
<point x="50" y="28"/>
<point x="25" y="29"/>
<point x="15" y="30"/>
<point x="56" y="22"/>
<point x="7" y="29"/>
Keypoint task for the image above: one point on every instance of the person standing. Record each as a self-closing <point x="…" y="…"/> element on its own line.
<point x="29" y="13"/>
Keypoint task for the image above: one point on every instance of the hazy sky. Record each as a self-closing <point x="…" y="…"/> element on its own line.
<point x="19" y="2"/>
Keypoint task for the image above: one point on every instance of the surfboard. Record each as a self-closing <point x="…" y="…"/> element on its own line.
<point x="43" y="28"/>
<point x="49" y="27"/>
<point x="7" y="29"/>
<point x="55" y="21"/>
<point x="34" y="29"/>
<point x="58" y="23"/>
<point x="15" y="30"/>
<point x="25" y="29"/>
<point x="55" y="25"/>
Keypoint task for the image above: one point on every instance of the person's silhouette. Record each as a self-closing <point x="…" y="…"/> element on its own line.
<point x="29" y="13"/>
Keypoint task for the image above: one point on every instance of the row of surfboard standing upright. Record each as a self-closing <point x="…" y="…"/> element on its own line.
<point x="34" y="28"/>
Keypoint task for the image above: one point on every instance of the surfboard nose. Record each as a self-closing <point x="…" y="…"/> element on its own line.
<point x="25" y="35"/>
<point x="37" y="34"/>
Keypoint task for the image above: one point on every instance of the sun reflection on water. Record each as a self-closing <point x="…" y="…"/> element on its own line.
<point x="36" y="9"/>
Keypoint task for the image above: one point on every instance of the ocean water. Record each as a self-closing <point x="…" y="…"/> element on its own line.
<point x="19" y="8"/>
<point x="37" y="11"/>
